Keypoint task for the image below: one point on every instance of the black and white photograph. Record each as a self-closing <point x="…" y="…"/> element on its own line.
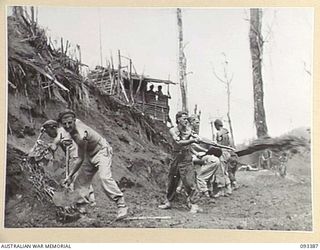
<point x="159" y="117"/>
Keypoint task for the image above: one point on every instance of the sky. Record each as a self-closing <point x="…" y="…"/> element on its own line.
<point x="150" y="37"/>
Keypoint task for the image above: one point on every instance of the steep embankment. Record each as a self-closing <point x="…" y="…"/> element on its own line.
<point x="139" y="160"/>
<point x="43" y="81"/>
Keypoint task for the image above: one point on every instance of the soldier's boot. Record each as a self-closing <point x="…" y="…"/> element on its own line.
<point x="219" y="193"/>
<point x="206" y="194"/>
<point x="208" y="197"/>
<point x="82" y="208"/>
<point x="122" y="213"/>
<point x="234" y="185"/>
<point x="92" y="200"/>
<point x="228" y="190"/>
<point x="194" y="208"/>
<point x="166" y="205"/>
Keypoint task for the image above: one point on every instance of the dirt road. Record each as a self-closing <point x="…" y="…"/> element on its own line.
<point x="264" y="201"/>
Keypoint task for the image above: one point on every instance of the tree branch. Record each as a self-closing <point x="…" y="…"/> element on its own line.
<point x="215" y="74"/>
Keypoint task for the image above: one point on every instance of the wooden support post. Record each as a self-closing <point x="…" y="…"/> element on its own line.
<point x="79" y="50"/>
<point x="32" y="14"/>
<point x="36" y="14"/>
<point x="143" y="97"/>
<point x="67" y="44"/>
<point x="113" y="77"/>
<point x="131" y="81"/>
<point x="119" y="71"/>
<point x="62" y="50"/>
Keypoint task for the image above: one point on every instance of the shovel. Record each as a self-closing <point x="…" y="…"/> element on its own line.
<point x="67" y="161"/>
<point x="67" y="197"/>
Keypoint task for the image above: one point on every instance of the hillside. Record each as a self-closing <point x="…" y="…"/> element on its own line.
<point x="43" y="81"/>
<point x="140" y="145"/>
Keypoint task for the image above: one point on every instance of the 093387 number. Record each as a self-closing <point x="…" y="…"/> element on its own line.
<point x="309" y="246"/>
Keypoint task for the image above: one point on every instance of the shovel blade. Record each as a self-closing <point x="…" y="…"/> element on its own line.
<point x="65" y="198"/>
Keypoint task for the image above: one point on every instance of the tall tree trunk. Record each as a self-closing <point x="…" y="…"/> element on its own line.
<point x="182" y="64"/>
<point x="256" y="48"/>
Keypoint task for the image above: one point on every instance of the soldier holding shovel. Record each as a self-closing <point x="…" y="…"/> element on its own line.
<point x="95" y="156"/>
<point x="62" y="138"/>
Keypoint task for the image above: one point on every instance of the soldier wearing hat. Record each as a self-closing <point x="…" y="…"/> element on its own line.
<point x="98" y="154"/>
<point x="181" y="166"/>
<point x="229" y="159"/>
<point x="63" y="139"/>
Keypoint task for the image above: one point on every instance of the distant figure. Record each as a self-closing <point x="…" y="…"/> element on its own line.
<point x="160" y="94"/>
<point x="150" y="94"/>
<point x="265" y="159"/>
<point x="283" y="164"/>
<point x="222" y="136"/>
<point x="228" y="159"/>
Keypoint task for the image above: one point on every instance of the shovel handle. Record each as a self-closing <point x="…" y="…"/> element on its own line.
<point x="41" y="134"/>
<point x="67" y="162"/>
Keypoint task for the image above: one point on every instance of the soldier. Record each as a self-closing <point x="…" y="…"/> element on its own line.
<point x="181" y="166"/>
<point x="223" y="138"/>
<point x="62" y="138"/>
<point x="265" y="159"/>
<point x="160" y="94"/>
<point x="222" y="135"/>
<point x="150" y="94"/>
<point x="210" y="169"/>
<point x="95" y="156"/>
<point x="283" y="164"/>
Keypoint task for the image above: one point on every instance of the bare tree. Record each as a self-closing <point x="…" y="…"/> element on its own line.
<point x="256" y="49"/>
<point x="226" y="79"/>
<point x="182" y="64"/>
